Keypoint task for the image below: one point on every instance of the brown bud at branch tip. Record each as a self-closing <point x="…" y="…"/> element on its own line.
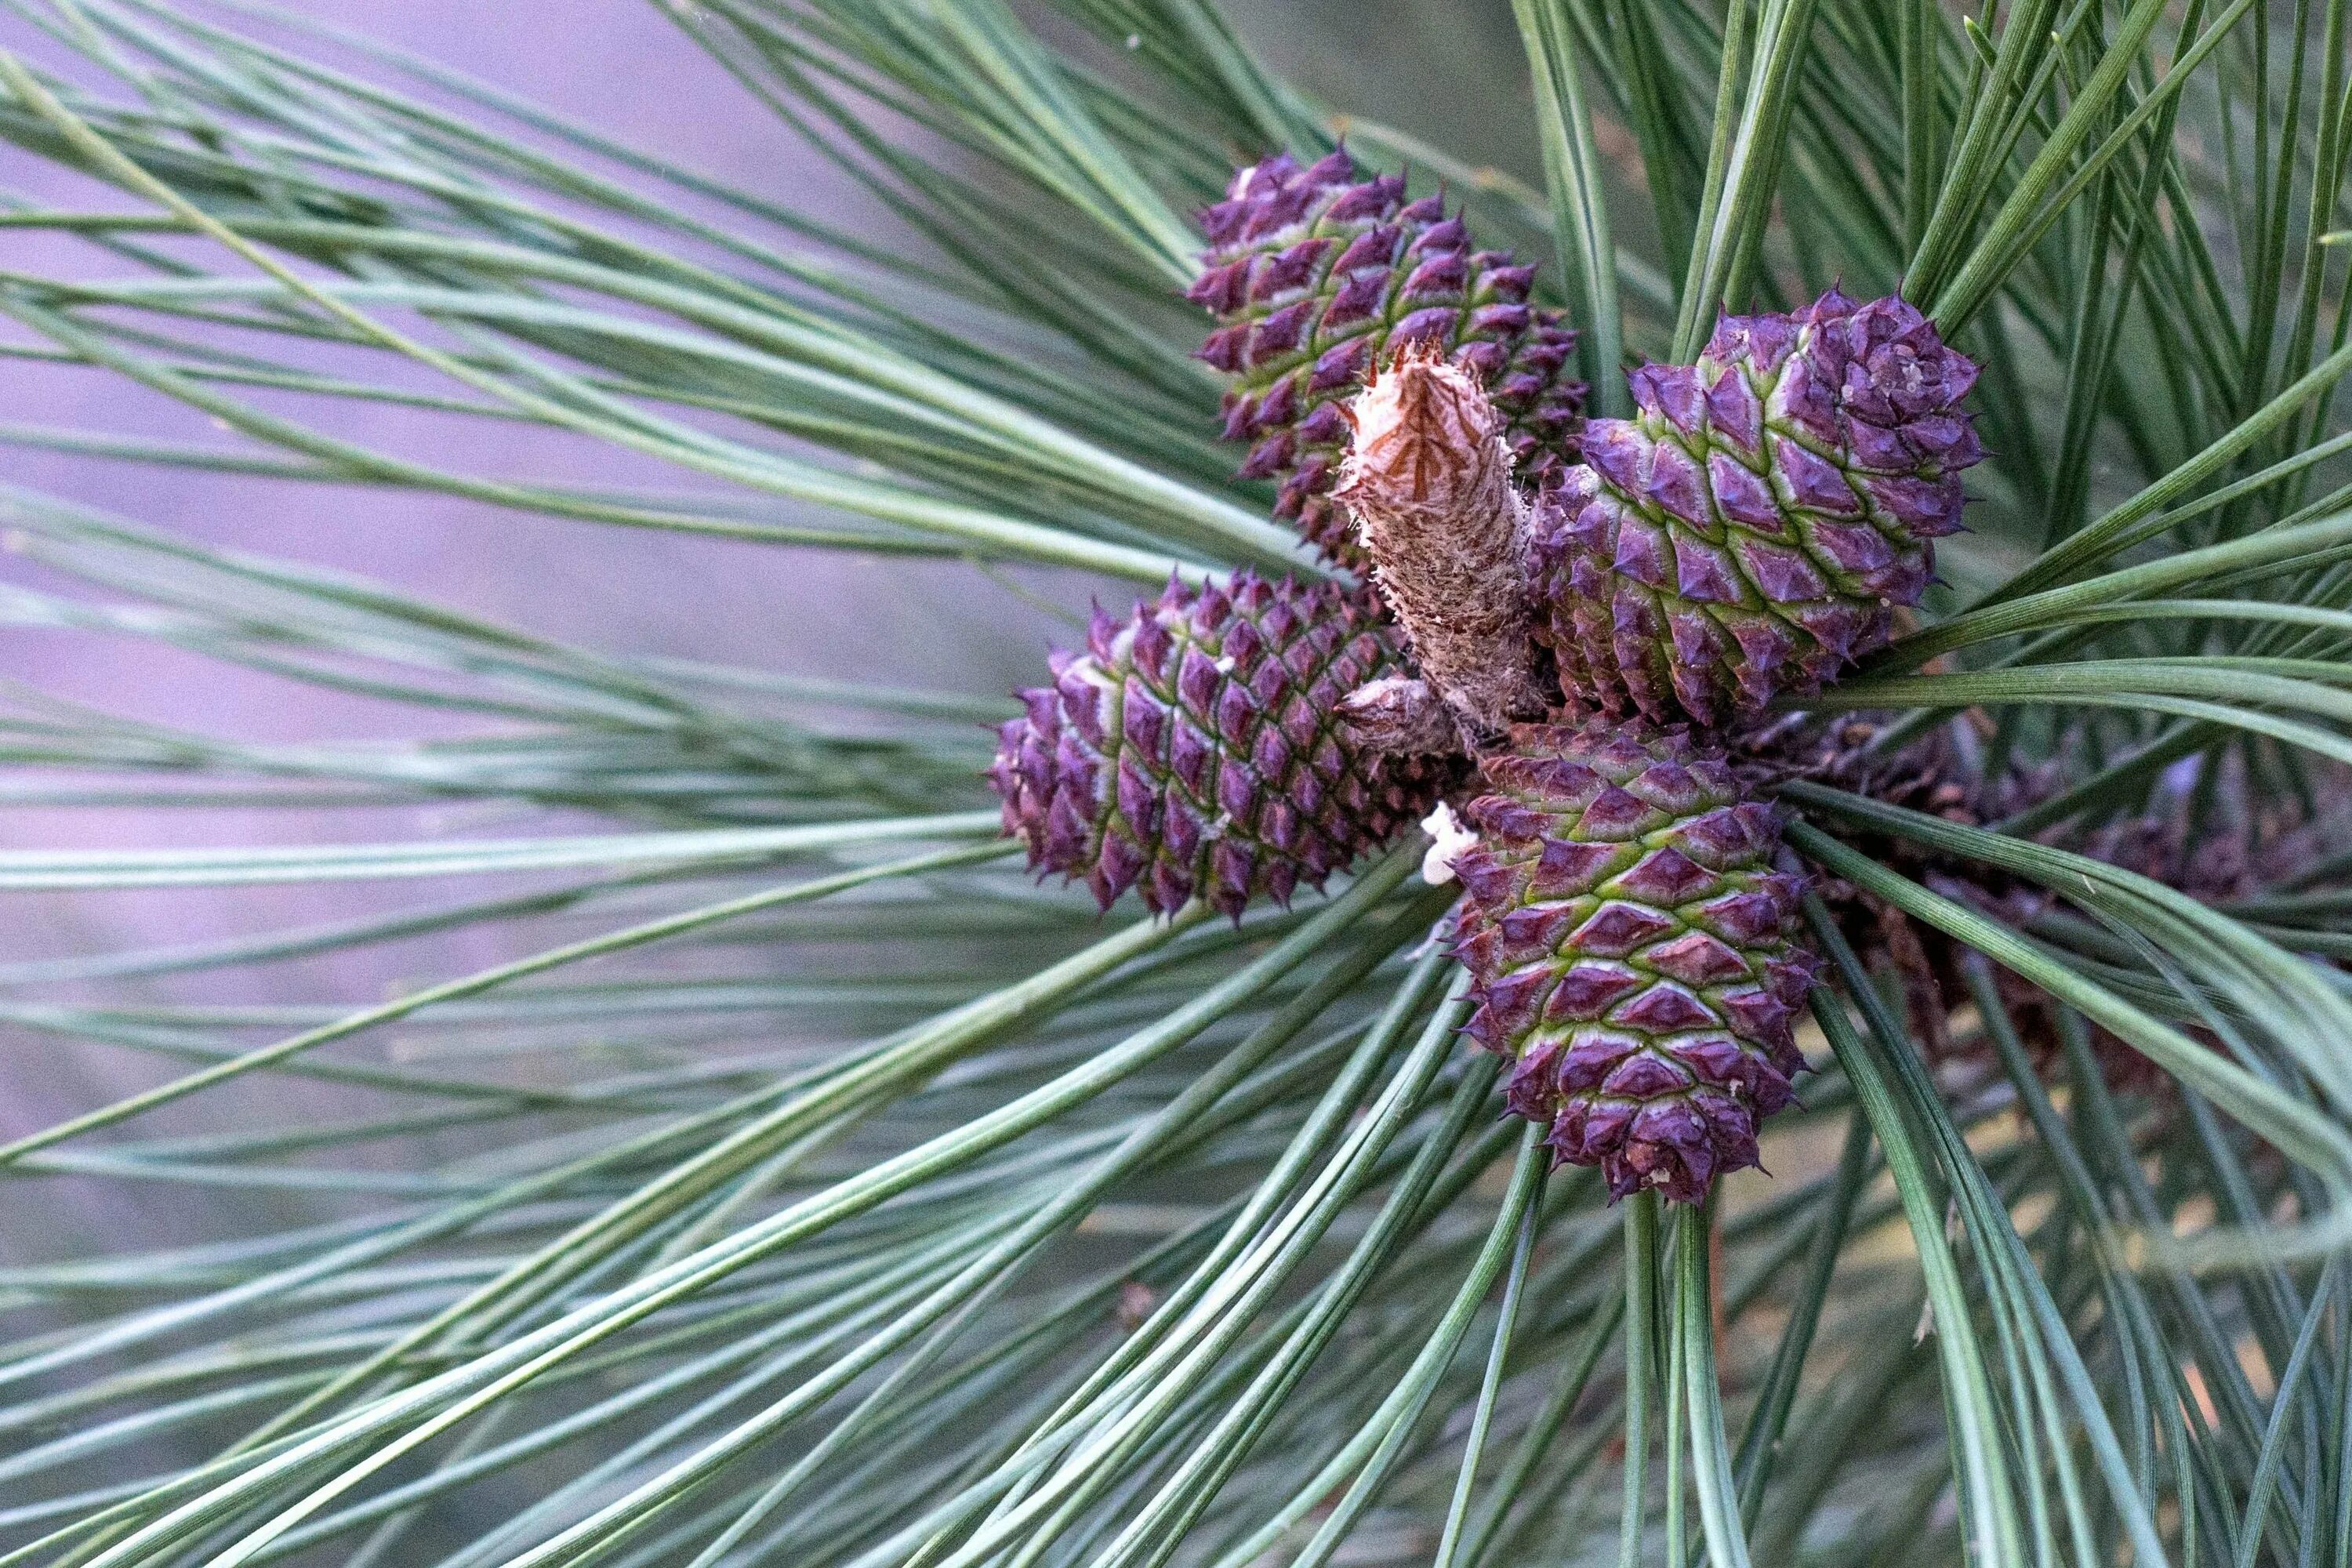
<point x="1428" y="481"/>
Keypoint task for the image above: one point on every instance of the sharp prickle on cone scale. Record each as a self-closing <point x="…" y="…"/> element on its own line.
<point x="1629" y="933"/>
<point x="1195" y="748"/>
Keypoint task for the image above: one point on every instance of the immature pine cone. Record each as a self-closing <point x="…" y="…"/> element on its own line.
<point x="1743" y="535"/>
<point x="1629" y="938"/>
<point x="1195" y="748"/>
<point x="1316" y="275"/>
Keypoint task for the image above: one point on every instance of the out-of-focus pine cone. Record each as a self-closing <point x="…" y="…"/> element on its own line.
<point x="1744" y="533"/>
<point x="1195" y="748"/>
<point x="1942" y="774"/>
<point x="1631" y="936"/>
<point x="1316" y="274"/>
<point x="2229" y="850"/>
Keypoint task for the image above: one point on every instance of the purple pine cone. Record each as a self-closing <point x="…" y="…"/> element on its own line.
<point x="1629" y="941"/>
<point x="1744" y="533"/>
<point x="1316" y="276"/>
<point x="1195" y="748"/>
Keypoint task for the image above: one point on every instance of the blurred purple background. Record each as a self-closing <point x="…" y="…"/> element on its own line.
<point x="621" y="67"/>
<point x="625" y="67"/>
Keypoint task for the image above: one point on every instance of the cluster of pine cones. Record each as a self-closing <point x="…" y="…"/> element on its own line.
<point x="1568" y="629"/>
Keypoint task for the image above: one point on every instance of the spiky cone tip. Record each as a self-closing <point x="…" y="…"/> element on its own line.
<point x="1629" y="928"/>
<point x="1194" y="748"/>
<point x="1316" y="275"/>
<point x="1743" y="535"/>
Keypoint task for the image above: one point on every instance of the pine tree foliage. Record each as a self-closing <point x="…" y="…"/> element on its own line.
<point x="859" y="1202"/>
